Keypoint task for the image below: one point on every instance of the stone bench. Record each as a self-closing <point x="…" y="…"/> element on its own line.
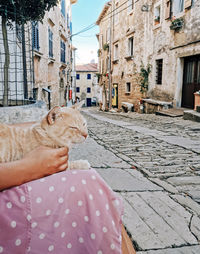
<point x="151" y="105"/>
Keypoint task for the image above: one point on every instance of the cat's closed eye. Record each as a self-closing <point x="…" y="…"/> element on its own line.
<point x="72" y="127"/>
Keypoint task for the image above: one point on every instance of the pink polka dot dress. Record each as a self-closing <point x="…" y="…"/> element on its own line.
<point x="72" y="212"/>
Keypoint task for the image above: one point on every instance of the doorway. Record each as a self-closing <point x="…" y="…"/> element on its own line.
<point x="191" y="80"/>
<point x="115" y="96"/>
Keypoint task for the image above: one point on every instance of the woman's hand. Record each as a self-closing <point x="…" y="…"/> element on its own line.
<point x="40" y="162"/>
<point x="46" y="161"/>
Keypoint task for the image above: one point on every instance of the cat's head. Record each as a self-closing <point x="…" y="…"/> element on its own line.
<point x="65" y="125"/>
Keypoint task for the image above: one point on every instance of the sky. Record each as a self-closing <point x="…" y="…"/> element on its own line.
<point x="84" y="14"/>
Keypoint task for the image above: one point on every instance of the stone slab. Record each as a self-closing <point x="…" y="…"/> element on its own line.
<point x="156" y="221"/>
<point x="126" y="180"/>
<point x="182" y="250"/>
<point x="187" y="202"/>
<point x="96" y="154"/>
<point x="184" y="180"/>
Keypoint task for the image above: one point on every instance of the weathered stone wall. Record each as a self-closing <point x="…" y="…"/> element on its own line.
<point x="172" y="46"/>
<point x="50" y="70"/>
<point x="19" y="114"/>
<point x="152" y="41"/>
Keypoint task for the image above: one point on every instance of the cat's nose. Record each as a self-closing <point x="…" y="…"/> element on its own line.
<point x="84" y="135"/>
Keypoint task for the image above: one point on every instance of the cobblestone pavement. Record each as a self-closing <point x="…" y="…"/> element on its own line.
<point x="153" y="162"/>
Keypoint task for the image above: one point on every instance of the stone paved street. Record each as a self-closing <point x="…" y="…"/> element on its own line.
<point x="153" y="162"/>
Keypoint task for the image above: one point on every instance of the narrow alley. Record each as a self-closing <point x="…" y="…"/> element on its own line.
<point x="153" y="163"/>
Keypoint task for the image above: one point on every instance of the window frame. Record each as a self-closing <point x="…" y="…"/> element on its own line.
<point x="50" y="40"/>
<point x="89" y="76"/>
<point x="131" y="46"/>
<point x="88" y="89"/>
<point x="62" y="51"/>
<point x="178" y="11"/>
<point x="128" y="91"/>
<point x="35" y="35"/>
<point x="116" y="51"/>
<point x="159" y="71"/>
<point x="130" y="5"/>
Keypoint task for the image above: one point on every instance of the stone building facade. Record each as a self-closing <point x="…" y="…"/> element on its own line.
<point x="154" y="51"/>
<point x="87" y="87"/>
<point x="53" y="55"/>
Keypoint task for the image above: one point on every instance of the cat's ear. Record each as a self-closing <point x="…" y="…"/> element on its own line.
<point x="78" y="105"/>
<point x="53" y="114"/>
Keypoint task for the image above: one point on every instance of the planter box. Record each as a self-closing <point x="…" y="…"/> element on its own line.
<point x="196" y="100"/>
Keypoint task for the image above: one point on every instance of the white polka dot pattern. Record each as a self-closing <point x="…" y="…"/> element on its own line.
<point x="67" y="212"/>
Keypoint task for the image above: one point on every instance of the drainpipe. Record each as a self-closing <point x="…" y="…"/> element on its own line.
<point x="110" y="53"/>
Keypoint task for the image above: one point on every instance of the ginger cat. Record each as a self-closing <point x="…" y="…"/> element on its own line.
<point x="60" y="127"/>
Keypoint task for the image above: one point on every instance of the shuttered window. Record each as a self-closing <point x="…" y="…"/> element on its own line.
<point x="50" y="43"/>
<point x="35" y="35"/>
<point x="62" y="51"/>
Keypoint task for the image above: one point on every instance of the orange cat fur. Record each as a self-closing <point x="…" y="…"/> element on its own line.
<point x="60" y="127"/>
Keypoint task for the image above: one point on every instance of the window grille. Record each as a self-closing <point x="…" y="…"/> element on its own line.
<point x="159" y="70"/>
<point x="17" y="77"/>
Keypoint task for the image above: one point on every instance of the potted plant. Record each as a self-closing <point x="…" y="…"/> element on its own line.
<point x="177" y="24"/>
<point x="106" y="46"/>
<point x="157" y="20"/>
<point x="98" y="52"/>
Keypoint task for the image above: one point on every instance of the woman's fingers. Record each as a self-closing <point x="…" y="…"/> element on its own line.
<point x="62" y="151"/>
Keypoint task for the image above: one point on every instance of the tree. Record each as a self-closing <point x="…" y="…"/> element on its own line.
<point x="19" y="12"/>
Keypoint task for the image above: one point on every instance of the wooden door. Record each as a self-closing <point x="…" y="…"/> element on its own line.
<point x="191" y="80"/>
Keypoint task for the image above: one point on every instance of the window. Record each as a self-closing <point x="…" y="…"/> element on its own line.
<point x="35" y="35"/>
<point x="50" y="43"/>
<point x="177" y="6"/>
<point x="130" y="5"/>
<point x="101" y="41"/>
<point x="130" y="46"/>
<point x="88" y="90"/>
<point x="157" y="15"/>
<point x="116" y="52"/>
<point x="159" y="67"/>
<point x="35" y="94"/>
<point x="78" y="89"/>
<point x="88" y="76"/>
<point x="128" y="87"/>
<point x="62" y="51"/>
<point x="19" y="32"/>
<point x="77" y="76"/>
<point x="63" y="7"/>
<point x="108" y="35"/>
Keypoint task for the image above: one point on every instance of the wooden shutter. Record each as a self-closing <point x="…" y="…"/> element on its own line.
<point x="167" y="9"/>
<point x="187" y="4"/>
